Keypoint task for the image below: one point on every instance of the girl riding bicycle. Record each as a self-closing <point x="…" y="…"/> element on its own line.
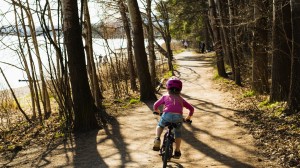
<point x="172" y="112"/>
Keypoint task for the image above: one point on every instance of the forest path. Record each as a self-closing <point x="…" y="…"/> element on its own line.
<point x="214" y="139"/>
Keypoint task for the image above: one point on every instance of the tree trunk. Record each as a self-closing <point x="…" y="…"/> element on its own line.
<point x="224" y="31"/>
<point x="217" y="39"/>
<point x="281" y="55"/>
<point x="131" y="68"/>
<point x="165" y="32"/>
<point x="32" y="76"/>
<point x="259" y="53"/>
<point x="233" y="46"/>
<point x="96" y="92"/>
<point x="151" y="44"/>
<point x="84" y="108"/>
<point x="168" y="37"/>
<point x="146" y="90"/>
<point x="26" y="67"/>
<point x="207" y="33"/>
<point x="44" y="92"/>
<point x="294" y="96"/>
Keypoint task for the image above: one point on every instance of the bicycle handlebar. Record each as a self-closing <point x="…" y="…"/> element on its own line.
<point x="156" y="113"/>
<point x="187" y="121"/>
<point x="184" y="120"/>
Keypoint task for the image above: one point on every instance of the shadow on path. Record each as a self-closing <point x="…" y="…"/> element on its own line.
<point x="209" y="107"/>
<point x="87" y="153"/>
<point x="86" y="150"/>
<point x="211" y="152"/>
<point x="114" y="134"/>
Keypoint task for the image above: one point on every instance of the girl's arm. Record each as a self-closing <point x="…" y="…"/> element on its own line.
<point x="189" y="107"/>
<point x="158" y="103"/>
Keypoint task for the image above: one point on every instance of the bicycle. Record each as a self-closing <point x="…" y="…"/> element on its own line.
<point x="166" y="149"/>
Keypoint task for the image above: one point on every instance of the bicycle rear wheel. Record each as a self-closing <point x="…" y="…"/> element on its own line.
<point x="167" y="153"/>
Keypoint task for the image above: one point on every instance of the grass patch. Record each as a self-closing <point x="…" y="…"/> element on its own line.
<point x="175" y="66"/>
<point x="134" y="101"/>
<point x="59" y="135"/>
<point x="168" y="75"/>
<point x="217" y="77"/>
<point x="249" y="93"/>
<point x="277" y="108"/>
<point x="10" y="147"/>
<point x="178" y="51"/>
<point x="279" y="112"/>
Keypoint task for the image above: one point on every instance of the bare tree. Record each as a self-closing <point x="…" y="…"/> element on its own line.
<point x="146" y="90"/>
<point x="84" y="108"/>
<point x="44" y="92"/>
<point x="96" y="92"/>
<point x="163" y="26"/>
<point x="151" y="51"/>
<point x="132" y="74"/>
<point x="31" y="72"/>
<point x="59" y="83"/>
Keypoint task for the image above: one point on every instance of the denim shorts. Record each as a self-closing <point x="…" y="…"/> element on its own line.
<point x="172" y="118"/>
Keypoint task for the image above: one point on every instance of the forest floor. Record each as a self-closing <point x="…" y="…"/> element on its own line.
<point x="214" y="139"/>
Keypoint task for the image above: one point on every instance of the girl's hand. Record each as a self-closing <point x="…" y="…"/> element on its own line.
<point x="158" y="111"/>
<point x="188" y="118"/>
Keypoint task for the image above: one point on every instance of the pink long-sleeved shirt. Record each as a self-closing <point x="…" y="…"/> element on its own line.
<point x="173" y="104"/>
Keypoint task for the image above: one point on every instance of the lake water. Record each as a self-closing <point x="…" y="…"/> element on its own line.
<point x="12" y="66"/>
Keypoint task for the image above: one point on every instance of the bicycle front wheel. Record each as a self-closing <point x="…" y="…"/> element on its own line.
<point x="167" y="154"/>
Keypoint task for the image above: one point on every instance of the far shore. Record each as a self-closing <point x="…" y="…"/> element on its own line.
<point x="20" y="91"/>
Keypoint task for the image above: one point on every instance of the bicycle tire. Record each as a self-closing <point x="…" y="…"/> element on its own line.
<point x="167" y="155"/>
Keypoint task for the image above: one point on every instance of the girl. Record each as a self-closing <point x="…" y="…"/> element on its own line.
<point x="172" y="112"/>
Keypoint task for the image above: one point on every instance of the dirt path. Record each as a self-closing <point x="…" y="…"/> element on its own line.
<point x="213" y="139"/>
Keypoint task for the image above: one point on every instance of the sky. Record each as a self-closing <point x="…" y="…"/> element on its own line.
<point x="96" y="11"/>
<point x="7" y="16"/>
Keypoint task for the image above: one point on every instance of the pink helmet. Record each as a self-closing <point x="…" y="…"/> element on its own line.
<point x="174" y="83"/>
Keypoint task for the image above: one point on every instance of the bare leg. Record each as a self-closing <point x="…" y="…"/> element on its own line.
<point x="178" y="142"/>
<point x="156" y="145"/>
<point x="159" y="131"/>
